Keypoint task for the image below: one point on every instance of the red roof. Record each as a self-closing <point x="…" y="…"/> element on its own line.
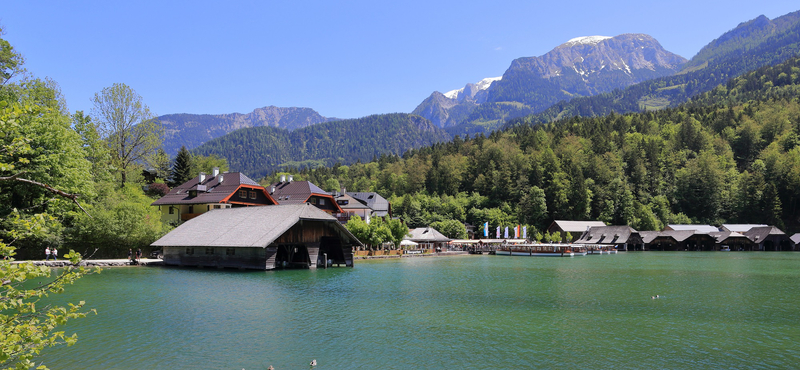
<point x="211" y="190"/>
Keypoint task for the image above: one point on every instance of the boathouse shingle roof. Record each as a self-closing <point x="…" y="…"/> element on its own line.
<point x="246" y="226"/>
<point x="611" y="235"/>
<point x="426" y="235"/>
<point x="575" y="226"/>
<point x="705" y="229"/>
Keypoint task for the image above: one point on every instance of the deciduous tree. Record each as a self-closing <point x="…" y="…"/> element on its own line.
<point x="131" y="131"/>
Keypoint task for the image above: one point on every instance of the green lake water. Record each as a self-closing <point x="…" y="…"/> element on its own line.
<point x="736" y="310"/>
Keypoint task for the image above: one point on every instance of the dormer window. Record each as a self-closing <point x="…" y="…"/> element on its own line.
<point x="192" y="193"/>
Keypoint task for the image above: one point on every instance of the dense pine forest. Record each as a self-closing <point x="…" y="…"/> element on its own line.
<point x="730" y="155"/>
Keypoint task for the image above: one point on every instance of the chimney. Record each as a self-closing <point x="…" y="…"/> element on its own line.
<point x="216" y="171"/>
<point x="202" y="177"/>
<point x="344" y="191"/>
<point x="283" y="178"/>
<point x="291" y="178"/>
<point x="220" y="177"/>
<point x="273" y="190"/>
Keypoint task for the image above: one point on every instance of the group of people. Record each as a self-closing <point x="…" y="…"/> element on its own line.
<point x="138" y="258"/>
<point x="48" y="252"/>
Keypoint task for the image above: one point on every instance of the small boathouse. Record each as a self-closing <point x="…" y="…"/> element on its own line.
<point x="263" y="238"/>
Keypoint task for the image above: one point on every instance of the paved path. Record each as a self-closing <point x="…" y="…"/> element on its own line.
<point x="102" y="263"/>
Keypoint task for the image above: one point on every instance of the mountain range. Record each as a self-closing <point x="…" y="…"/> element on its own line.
<point x="583" y="66"/>
<point x="586" y="76"/>
<point x="258" y="150"/>
<point x="192" y="130"/>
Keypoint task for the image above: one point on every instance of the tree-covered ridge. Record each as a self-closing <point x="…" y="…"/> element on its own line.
<point x="695" y="163"/>
<point x="739" y="40"/>
<point x="259" y="150"/>
<point x="673" y="90"/>
<point x="192" y="130"/>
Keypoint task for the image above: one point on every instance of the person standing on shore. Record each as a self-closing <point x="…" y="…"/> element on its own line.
<point x="55" y="254"/>
<point x="47" y="254"/>
<point x="139" y="255"/>
<point x="130" y="254"/>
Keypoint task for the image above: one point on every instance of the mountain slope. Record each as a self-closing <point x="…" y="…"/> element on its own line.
<point x="582" y="66"/>
<point x="257" y="151"/>
<point x="192" y="130"/>
<point x="749" y="46"/>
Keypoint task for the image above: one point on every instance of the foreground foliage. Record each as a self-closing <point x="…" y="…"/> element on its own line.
<point x="27" y="325"/>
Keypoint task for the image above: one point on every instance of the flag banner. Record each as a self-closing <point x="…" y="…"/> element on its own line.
<point x="498" y="232"/>
<point x="486" y="230"/>
<point x="524" y="232"/>
<point x="505" y="235"/>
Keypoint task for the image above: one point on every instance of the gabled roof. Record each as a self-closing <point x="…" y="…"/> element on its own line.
<point x="741" y="228"/>
<point x="374" y="201"/>
<point x="352" y="203"/>
<point x="246" y="226"/>
<point x="426" y="235"/>
<point x="576" y="226"/>
<point x="730" y="237"/>
<point x="759" y="234"/>
<point x="210" y="190"/>
<point x="705" y="229"/>
<point x="608" y="235"/>
<point x="676" y="235"/>
<point x="293" y="192"/>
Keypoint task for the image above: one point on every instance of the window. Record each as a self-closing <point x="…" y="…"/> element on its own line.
<point x="172" y="210"/>
<point x="230" y="251"/>
<point x="242" y="193"/>
<point x="252" y="195"/>
<point x="321" y="201"/>
<point x="189" y="250"/>
<point x="313" y="200"/>
<point x="191" y="209"/>
<point x="209" y="250"/>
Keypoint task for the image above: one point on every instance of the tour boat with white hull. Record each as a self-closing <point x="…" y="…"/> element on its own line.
<point x="541" y="250"/>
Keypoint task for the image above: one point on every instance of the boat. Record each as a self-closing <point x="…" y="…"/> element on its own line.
<point x="601" y="251"/>
<point x="541" y="250"/>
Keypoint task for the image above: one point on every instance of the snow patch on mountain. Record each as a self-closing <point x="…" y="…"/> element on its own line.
<point x="481" y="85"/>
<point x="586" y="40"/>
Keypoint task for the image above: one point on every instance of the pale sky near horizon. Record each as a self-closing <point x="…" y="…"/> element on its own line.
<point x="344" y="59"/>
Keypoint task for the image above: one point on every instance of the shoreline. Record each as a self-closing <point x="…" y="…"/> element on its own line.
<point x="94" y="263"/>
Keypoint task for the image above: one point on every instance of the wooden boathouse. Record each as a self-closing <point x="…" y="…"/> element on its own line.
<point x="263" y="238"/>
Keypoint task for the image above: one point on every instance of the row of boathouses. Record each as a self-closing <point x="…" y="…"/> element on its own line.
<point x="728" y="237"/>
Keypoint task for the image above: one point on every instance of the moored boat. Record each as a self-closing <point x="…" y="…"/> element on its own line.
<point x="541" y="250"/>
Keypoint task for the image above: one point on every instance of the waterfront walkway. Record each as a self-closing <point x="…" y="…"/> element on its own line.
<point x="99" y="263"/>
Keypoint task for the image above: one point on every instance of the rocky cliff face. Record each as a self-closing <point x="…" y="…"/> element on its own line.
<point x="582" y="66"/>
<point x="596" y="64"/>
<point x="193" y="130"/>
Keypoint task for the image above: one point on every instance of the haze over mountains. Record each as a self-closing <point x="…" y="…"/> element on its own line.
<point x="585" y="76"/>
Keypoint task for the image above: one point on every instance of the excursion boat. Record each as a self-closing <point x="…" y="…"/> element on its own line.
<point x="541" y="250"/>
<point x="602" y="251"/>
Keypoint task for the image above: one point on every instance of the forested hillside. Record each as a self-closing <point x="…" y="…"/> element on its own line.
<point x="748" y="47"/>
<point x="733" y="155"/>
<point x="257" y="151"/>
<point x="192" y="130"/>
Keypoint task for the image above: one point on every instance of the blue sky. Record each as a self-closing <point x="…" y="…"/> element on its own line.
<point x="345" y="59"/>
